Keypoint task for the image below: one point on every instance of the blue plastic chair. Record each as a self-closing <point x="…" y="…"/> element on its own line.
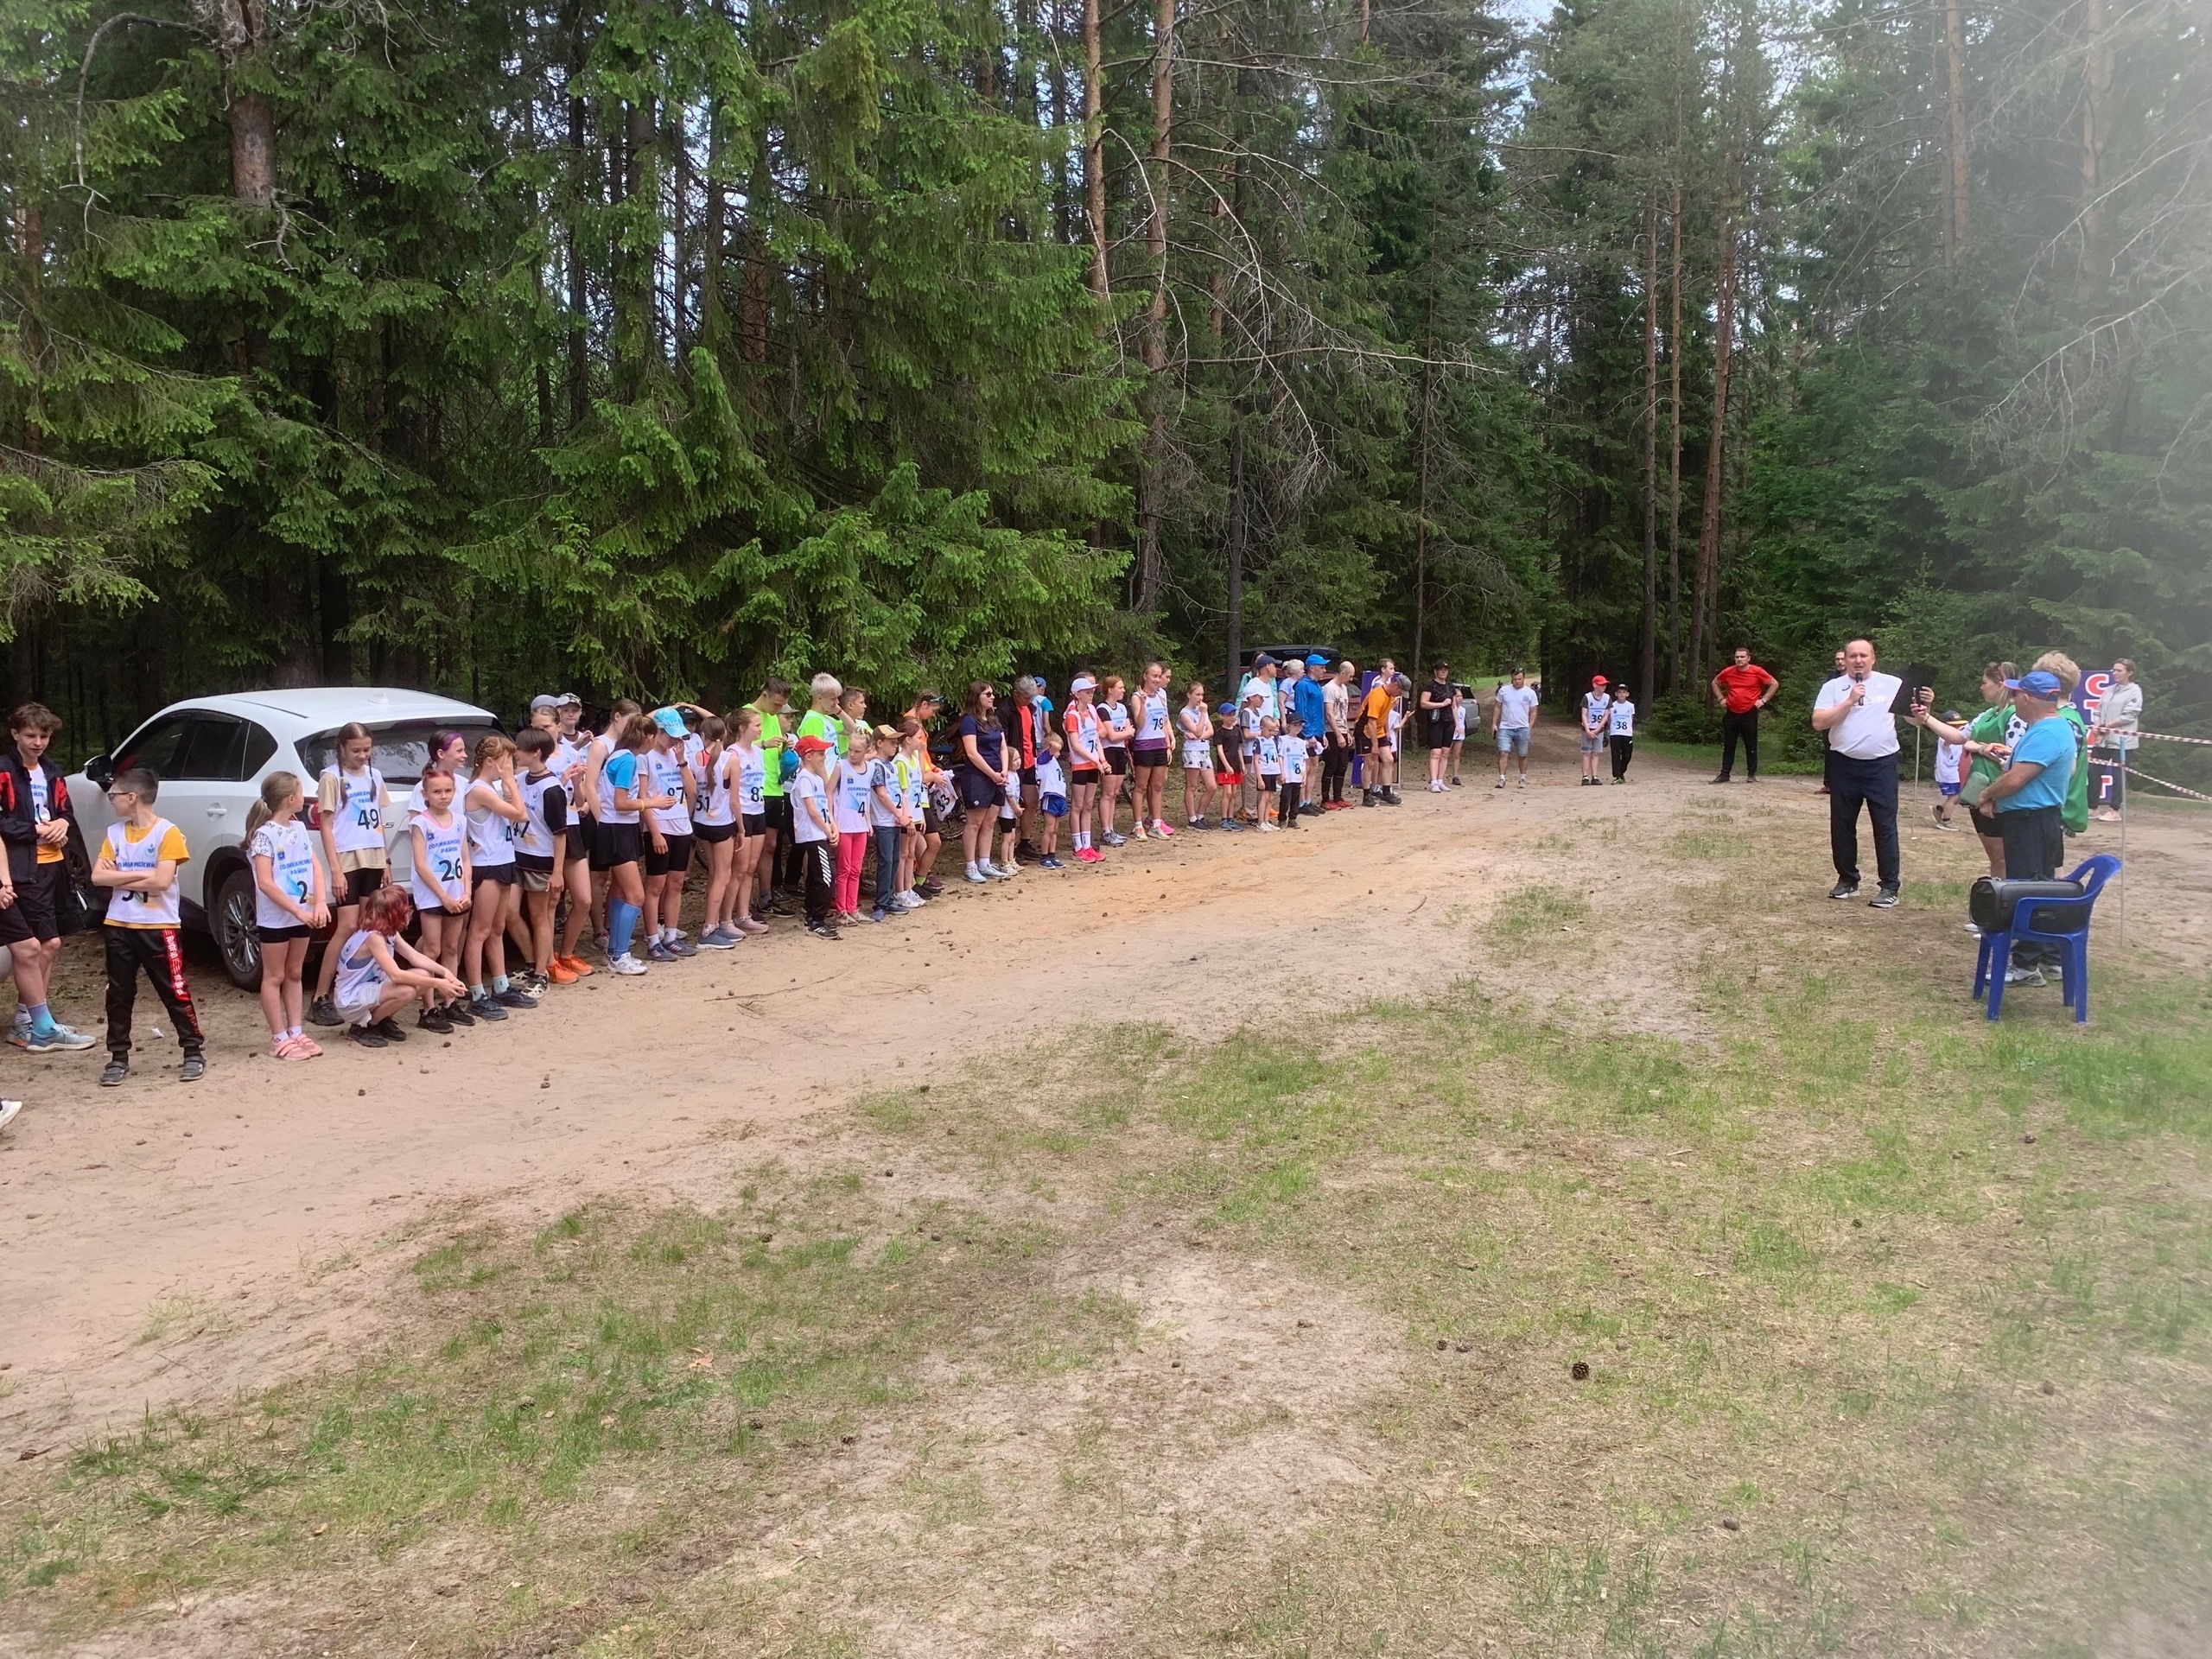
<point x="2074" y="946"/>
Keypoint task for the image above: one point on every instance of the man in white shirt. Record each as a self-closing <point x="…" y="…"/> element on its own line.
<point x="1336" y="705"/>
<point x="2118" y="724"/>
<point x="1853" y="712"/>
<point x="1514" y="721"/>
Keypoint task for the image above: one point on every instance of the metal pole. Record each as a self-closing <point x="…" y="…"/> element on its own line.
<point x="2120" y="784"/>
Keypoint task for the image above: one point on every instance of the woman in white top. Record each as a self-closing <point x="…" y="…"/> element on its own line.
<point x="496" y="812"/>
<point x="289" y="902"/>
<point x="438" y="882"/>
<point x="2119" y="727"/>
<point x="1084" y="752"/>
<point x="715" y="826"/>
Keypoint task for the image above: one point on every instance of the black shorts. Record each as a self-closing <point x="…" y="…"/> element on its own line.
<point x="1086" y="775"/>
<point x="930" y="825"/>
<point x="1985" y="824"/>
<point x="977" y="792"/>
<point x="504" y="874"/>
<point x="1028" y="775"/>
<point x="1269" y="782"/>
<point x="1438" y="734"/>
<point x="615" y="845"/>
<point x="713" y="835"/>
<point x="279" y="935"/>
<point x="576" y="844"/>
<point x="36" y="913"/>
<point x="1149" y="759"/>
<point x="1117" y="762"/>
<point x="756" y="823"/>
<point x="360" y="884"/>
<point x="532" y="862"/>
<point x="673" y="861"/>
<point x="776" y="812"/>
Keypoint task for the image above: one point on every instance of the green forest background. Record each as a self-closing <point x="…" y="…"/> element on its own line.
<point x="650" y="345"/>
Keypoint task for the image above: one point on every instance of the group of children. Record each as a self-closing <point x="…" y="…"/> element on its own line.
<point x="518" y="848"/>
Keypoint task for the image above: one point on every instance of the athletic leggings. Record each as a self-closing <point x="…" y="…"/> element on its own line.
<point x="1623" y="748"/>
<point x="851" y="844"/>
<point x="1288" y="795"/>
<point x="1335" y="761"/>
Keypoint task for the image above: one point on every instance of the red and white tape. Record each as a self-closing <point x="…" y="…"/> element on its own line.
<point x="2168" y="737"/>
<point x="2176" y="788"/>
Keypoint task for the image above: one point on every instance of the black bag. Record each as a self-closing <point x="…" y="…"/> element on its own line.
<point x="1994" y="904"/>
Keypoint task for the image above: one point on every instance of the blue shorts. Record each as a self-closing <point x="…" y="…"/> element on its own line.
<point x="1946" y="790"/>
<point x="1513" y="739"/>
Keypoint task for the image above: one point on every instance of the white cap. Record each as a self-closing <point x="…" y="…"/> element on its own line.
<point x="1082" y="683"/>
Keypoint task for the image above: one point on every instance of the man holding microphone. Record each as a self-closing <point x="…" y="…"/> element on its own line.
<point x="1854" y="711"/>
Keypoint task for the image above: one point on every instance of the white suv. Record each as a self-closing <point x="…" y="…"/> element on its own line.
<point x="211" y="755"/>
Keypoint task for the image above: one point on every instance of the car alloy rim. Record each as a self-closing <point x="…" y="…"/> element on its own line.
<point x="240" y="943"/>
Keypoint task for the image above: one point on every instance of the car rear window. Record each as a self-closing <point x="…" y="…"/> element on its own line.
<point x="403" y="747"/>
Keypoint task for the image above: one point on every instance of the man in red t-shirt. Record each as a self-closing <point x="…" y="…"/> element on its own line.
<point x="1744" y="689"/>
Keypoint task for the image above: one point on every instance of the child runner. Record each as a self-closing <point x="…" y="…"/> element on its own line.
<point x="922" y="840"/>
<point x="983" y="780"/>
<point x="1267" y="751"/>
<point x="35" y="819"/>
<point x="565" y="761"/>
<point x="886" y="821"/>
<point x="848" y="810"/>
<point x="668" y="847"/>
<point x="1375" y="710"/>
<point x="715" y="826"/>
<point x="775" y="810"/>
<point x="1620" y="731"/>
<point x="371" y="985"/>
<point x="1227" y="766"/>
<point x="1197" y="727"/>
<point x="1249" y="721"/>
<point x="352" y="804"/>
<point x="591" y="785"/>
<point x="1950" y="759"/>
<point x="137" y="866"/>
<point x="1084" y="756"/>
<point x="1459" y="731"/>
<point x="623" y="802"/>
<point x="495" y="811"/>
<point x="540" y="849"/>
<point x="289" y="902"/>
<point x="1051" y="800"/>
<point x="1148" y="749"/>
<point x="440" y="885"/>
<point x="1114" y="734"/>
<point x="1595" y="707"/>
<point x="814" y="832"/>
<point x="750" y="764"/>
<point x="1291" y="746"/>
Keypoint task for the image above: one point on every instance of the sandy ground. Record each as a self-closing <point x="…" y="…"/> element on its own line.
<point x="166" y="1244"/>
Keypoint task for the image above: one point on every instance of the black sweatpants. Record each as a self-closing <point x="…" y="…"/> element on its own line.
<point x="159" y="952"/>
<point x="1288" y="796"/>
<point x="1335" y="761"/>
<point x="1623" y="748"/>
<point x="820" y="873"/>
<point x="1853" y="783"/>
<point x="1744" y="726"/>
<point x="2035" y="846"/>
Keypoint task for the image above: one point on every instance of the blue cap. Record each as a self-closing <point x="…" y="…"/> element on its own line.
<point x="670" y="721"/>
<point x="1317" y="660"/>
<point x="2040" y="683"/>
<point x="1262" y="661"/>
<point x="1226" y="708"/>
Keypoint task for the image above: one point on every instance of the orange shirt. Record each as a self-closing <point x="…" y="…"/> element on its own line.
<point x="1376" y="708"/>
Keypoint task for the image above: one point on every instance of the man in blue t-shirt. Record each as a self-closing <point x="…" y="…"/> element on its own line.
<point x="2028" y="798"/>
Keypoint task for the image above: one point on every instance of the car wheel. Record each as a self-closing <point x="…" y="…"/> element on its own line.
<point x="232" y="923"/>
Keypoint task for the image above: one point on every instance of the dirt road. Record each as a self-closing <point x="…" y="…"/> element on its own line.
<point x="165" y="1243"/>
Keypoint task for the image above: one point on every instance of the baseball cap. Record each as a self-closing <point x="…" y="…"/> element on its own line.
<point x="568" y="700"/>
<point x="812" y="745"/>
<point x="544" y="700"/>
<point x="1598" y="679"/>
<point x="1226" y="708"/>
<point x="1262" y="661"/>
<point x="670" y="721"/>
<point x="1082" y="683"/>
<point x="1317" y="660"/>
<point x="2039" y="683"/>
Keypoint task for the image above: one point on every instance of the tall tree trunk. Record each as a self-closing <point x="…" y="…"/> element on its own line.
<point x="1420" y="491"/>
<point x="580" y="188"/>
<point x="1955" y="97"/>
<point x="1237" y="531"/>
<point x="1705" y="602"/>
<point x="1649" y="661"/>
<point x="1152" y="476"/>
<point x="1063" y="186"/>
<point x="678" y="138"/>
<point x="1094" y="146"/>
<point x="2096" y="96"/>
<point x="712" y="231"/>
<point x="1672" y="487"/>
<point x="241" y="30"/>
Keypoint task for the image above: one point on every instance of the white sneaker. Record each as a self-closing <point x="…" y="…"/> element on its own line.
<point x="1974" y="929"/>
<point x="625" y="963"/>
<point x="1270" y="828"/>
<point x="2025" y="977"/>
<point x="997" y="873"/>
<point x="976" y="875"/>
<point x="8" y="1111"/>
<point x="1524" y="780"/>
<point x="915" y="900"/>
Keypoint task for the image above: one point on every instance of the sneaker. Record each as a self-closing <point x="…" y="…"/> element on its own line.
<point x="194" y="1068"/>
<point x="1947" y="826"/>
<point x="324" y="1013"/>
<point x="365" y="1036"/>
<point x="906" y="904"/>
<point x="1844" y="890"/>
<point x="1194" y="824"/>
<point x="2015" y="975"/>
<point x="658" y="952"/>
<point x="487" y="1007"/>
<point x="625" y="964"/>
<point x="514" y="997"/>
<point x="54" y="1039"/>
<point x="1501" y="783"/>
<point x="1456" y="782"/>
<point x="750" y="925"/>
<point x="560" y="973"/>
<point x="879" y="915"/>
<point x="577" y="966"/>
<point x="388" y="1028"/>
<point x="1367" y="796"/>
<point x="119" y="1068"/>
<point x="1973" y="930"/>
<point x="682" y="946"/>
<point x="1162" y="830"/>
<point x="1050" y="862"/>
<point x="825" y="931"/>
<point x="1524" y="780"/>
<point x="1137" y="830"/>
<point x="1023" y="849"/>
<point x="1114" y="840"/>
<point x="1337" y="806"/>
<point x="1391" y="797"/>
<point x="8" y="1111"/>
<point x="1718" y="778"/>
<point x="913" y="898"/>
<point x="932" y="888"/>
<point x="978" y="878"/>
<point x="1233" y="827"/>
<point x="1268" y="829"/>
<point x="720" y="938"/>
<point x="435" y="1021"/>
<point x="997" y="873"/>
<point x="1885" y="898"/>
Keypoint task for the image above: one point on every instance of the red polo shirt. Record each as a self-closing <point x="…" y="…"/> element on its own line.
<point x="1742" y="687"/>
